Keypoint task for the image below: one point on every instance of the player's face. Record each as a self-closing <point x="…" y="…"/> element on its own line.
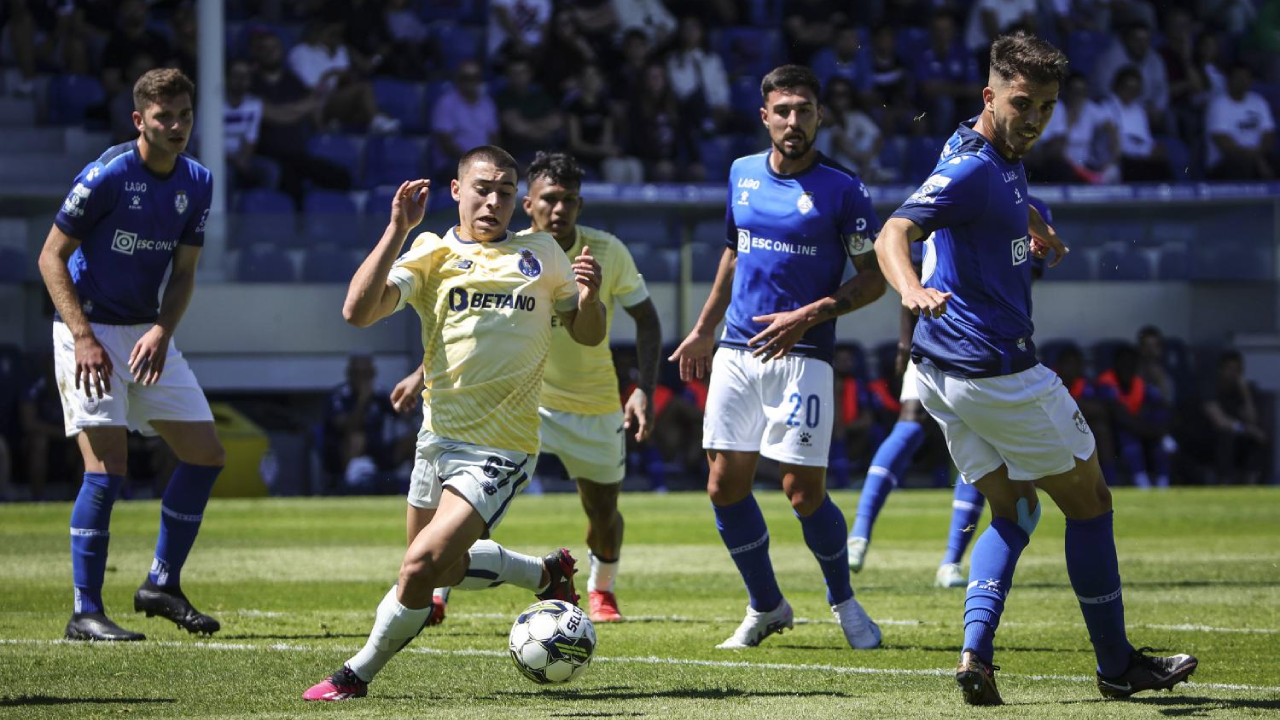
<point x="486" y="197"/>
<point x="553" y="208"/>
<point x="792" y="116"/>
<point x="166" y="125"/>
<point x="1020" y="109"/>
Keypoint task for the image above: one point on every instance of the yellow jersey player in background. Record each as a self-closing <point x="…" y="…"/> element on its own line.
<point x="486" y="298"/>
<point x="583" y="422"/>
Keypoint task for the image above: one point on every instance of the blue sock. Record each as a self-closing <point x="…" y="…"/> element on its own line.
<point x="966" y="511"/>
<point x="824" y="533"/>
<point x="742" y="528"/>
<point x="995" y="556"/>
<point x="1095" y="577"/>
<point x="181" y="510"/>
<point x="90" y="533"/>
<point x="891" y="459"/>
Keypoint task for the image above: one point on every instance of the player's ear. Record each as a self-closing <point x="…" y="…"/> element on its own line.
<point x="527" y="204"/>
<point x="138" y="121"/>
<point x="989" y="99"/>
<point x="764" y="115"/>
<point x="455" y="189"/>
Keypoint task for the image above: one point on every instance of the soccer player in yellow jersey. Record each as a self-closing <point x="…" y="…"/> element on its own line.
<point x="486" y="298"/>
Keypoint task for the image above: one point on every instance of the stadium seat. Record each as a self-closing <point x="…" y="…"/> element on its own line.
<point x="1050" y="350"/>
<point x="344" y="150"/>
<point x="656" y="264"/>
<point x="402" y="100"/>
<point x="1128" y="264"/>
<point x="1180" y="158"/>
<point x="1128" y="233"/>
<point x="704" y="258"/>
<point x="1076" y="267"/>
<point x="765" y="13"/>
<point x="13" y="265"/>
<point x="1083" y="49"/>
<point x="911" y="42"/>
<point x="891" y="155"/>
<point x="717" y="155"/>
<point x="70" y="96"/>
<point x="472" y="12"/>
<point x="651" y="229"/>
<point x="708" y="231"/>
<point x="747" y="51"/>
<point x="263" y="217"/>
<point x="922" y="157"/>
<point x="391" y="159"/>
<point x="457" y="43"/>
<point x="744" y="96"/>
<point x="1173" y="264"/>
<point x="329" y="265"/>
<point x="264" y="264"/>
<point x="330" y="216"/>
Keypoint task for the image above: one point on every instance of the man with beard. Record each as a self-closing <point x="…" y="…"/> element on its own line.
<point x="794" y="219"/>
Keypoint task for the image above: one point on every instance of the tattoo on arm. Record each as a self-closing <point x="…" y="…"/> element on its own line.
<point x="863" y="289"/>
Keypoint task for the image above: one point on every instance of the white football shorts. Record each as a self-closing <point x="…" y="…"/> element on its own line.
<point x="488" y="478"/>
<point x="909" y="389"/>
<point x="175" y="396"/>
<point x="782" y="409"/>
<point x="592" y="447"/>
<point x="1026" y="420"/>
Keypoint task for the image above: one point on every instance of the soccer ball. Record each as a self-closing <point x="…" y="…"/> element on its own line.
<point x="552" y="641"/>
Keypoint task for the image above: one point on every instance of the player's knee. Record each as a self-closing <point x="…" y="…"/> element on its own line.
<point x="805" y="503"/>
<point x="417" y="571"/>
<point x="215" y="455"/>
<point x="1028" y="518"/>
<point x="726" y="491"/>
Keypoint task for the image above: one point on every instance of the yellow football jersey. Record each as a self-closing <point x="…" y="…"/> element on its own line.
<point x="486" y="312"/>
<point x="579" y="378"/>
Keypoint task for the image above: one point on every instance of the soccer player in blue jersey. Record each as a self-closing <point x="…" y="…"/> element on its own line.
<point x="893" y="458"/>
<point x="136" y="212"/>
<point x="793" y="222"/>
<point x="1010" y="424"/>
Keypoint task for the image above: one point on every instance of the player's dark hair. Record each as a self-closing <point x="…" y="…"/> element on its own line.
<point x="1149" y="331"/>
<point x="557" y="167"/>
<point x="1022" y="54"/>
<point x="1125" y="73"/>
<point x="156" y="86"/>
<point x="1228" y="356"/>
<point x="790" y="77"/>
<point x="491" y="154"/>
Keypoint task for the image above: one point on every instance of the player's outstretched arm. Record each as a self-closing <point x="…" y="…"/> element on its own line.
<point x="638" y="410"/>
<point x="1043" y="238"/>
<point x="694" y="354"/>
<point x="893" y="249"/>
<point x="146" y="360"/>
<point x="93" y="365"/>
<point x="371" y="296"/>
<point x="404" y="396"/>
<point x="589" y="324"/>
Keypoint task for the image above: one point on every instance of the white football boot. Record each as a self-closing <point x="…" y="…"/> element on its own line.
<point x="949" y="576"/>
<point x="859" y="629"/>
<point x="757" y="626"/>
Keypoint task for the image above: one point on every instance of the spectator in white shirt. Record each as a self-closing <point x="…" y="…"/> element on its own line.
<point x="698" y="78"/>
<point x="241" y="121"/>
<point x="989" y="18"/>
<point x="854" y="137"/>
<point x="1142" y="159"/>
<point x="518" y="26"/>
<point x="1134" y="48"/>
<point x="1241" y="132"/>
<point x="324" y="64"/>
<point x="1076" y="144"/>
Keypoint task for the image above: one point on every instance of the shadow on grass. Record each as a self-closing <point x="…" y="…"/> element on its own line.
<point x="628" y="693"/>
<point x="1190" y="705"/>
<point x="29" y="700"/>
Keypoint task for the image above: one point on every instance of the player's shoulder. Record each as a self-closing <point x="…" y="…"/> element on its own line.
<point x="425" y="242"/>
<point x="839" y="176"/>
<point x="540" y="243"/>
<point x="193" y="170"/>
<point x="749" y="163"/>
<point x="596" y="238"/>
<point x="110" y="167"/>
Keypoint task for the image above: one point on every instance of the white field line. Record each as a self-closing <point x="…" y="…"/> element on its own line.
<point x="638" y="660"/>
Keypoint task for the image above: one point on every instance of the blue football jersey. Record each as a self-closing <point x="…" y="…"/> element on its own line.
<point x="973" y="208"/>
<point x="129" y="222"/>
<point x="794" y="235"/>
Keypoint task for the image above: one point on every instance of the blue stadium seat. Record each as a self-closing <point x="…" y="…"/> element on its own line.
<point x="471" y="12"/>
<point x="922" y="157"/>
<point x="329" y="265"/>
<point x="264" y="217"/>
<point x="1076" y="267"/>
<point x="1050" y="350"/>
<point x="456" y="43"/>
<point x="71" y="95"/>
<point x="391" y="159"/>
<point x="717" y="155"/>
<point x="651" y="229"/>
<point x="344" y="150"/>
<point x="402" y="100"/>
<point x="764" y="13"/>
<point x="1180" y="158"/>
<point x="1121" y="232"/>
<point x="240" y="36"/>
<point x="656" y="264"/>
<point x="911" y="42"/>
<point x="1174" y="264"/>
<point x="708" y="231"/>
<point x="1231" y="262"/>
<point x="264" y="264"/>
<point x="13" y="265"/>
<point x="330" y="216"/>
<point x="748" y="51"/>
<point x="891" y="155"/>
<point x="1127" y="264"/>
<point x="1083" y="49"/>
<point x="744" y="96"/>
<point x="704" y="258"/>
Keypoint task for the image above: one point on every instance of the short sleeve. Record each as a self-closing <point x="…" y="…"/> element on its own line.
<point x="628" y="284"/>
<point x="956" y="194"/>
<point x="730" y="225"/>
<point x="565" y="292"/>
<point x="91" y="199"/>
<point x="858" y="224"/>
<point x="411" y="271"/>
<point x="193" y="233"/>
<point x="1268" y="123"/>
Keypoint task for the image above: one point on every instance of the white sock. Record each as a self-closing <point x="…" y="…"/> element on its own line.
<point x="394" y="626"/>
<point x="492" y="565"/>
<point x="603" y="574"/>
<point x="441" y="594"/>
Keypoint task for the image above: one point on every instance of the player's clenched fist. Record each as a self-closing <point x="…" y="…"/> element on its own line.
<point x="586" y="270"/>
<point x="409" y="204"/>
<point x="926" y="302"/>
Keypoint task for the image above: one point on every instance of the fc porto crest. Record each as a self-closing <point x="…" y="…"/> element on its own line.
<point x="180" y="202"/>
<point x="529" y="265"/>
<point x="805" y="203"/>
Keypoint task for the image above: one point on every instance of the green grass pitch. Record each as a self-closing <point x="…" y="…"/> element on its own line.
<point x="295" y="583"/>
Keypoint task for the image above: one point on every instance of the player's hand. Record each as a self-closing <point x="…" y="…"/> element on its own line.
<point x="784" y="331"/>
<point x="694" y="356"/>
<point x="405" y="395"/>
<point x="1046" y="241"/>
<point x="409" y="204"/>
<point x="926" y="302"/>
<point x="146" y="361"/>
<point x="587" y="271"/>
<point x="638" y="415"/>
<point x="93" y="367"/>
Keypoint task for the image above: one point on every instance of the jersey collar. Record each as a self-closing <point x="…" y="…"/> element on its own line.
<point x="818" y="158"/>
<point x="137" y="153"/>
<point x="971" y="137"/>
<point x="453" y="235"/>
